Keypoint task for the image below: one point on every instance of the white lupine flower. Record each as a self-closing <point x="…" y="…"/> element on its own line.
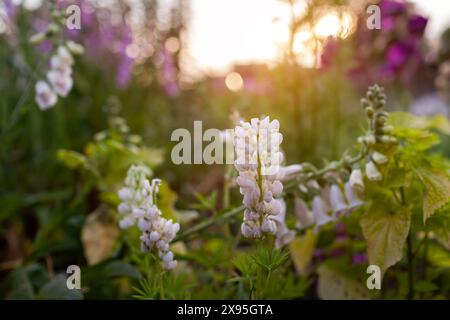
<point x="305" y="218"/>
<point x="379" y="158"/>
<point x="138" y="206"/>
<point x="337" y="202"/>
<point x="45" y="97"/>
<point x="74" y="47"/>
<point x="126" y="223"/>
<point x="320" y="215"/>
<point x="283" y="235"/>
<point x="62" y="60"/>
<point x="61" y="82"/>
<point x="258" y="153"/>
<point x="356" y="180"/>
<point x="372" y="172"/>
<point x="354" y="201"/>
<point x="287" y="172"/>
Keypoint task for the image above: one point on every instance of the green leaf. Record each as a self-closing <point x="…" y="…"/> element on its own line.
<point x="425" y="286"/>
<point x="21" y="288"/>
<point x="120" y="269"/>
<point x="437" y="190"/>
<point x="71" y="159"/>
<point x="408" y="120"/>
<point x="385" y="231"/>
<point x="56" y="289"/>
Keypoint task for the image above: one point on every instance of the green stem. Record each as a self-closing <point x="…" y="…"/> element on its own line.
<point x="209" y="222"/>
<point x="410" y="254"/>
<point x="410" y="268"/>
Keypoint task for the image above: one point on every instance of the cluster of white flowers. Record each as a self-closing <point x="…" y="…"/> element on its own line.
<point x="331" y="203"/>
<point x="258" y="162"/>
<point x="139" y="207"/>
<point x="59" y="80"/>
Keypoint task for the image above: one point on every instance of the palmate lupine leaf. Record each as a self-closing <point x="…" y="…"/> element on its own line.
<point x="385" y="231"/>
<point x="437" y="190"/>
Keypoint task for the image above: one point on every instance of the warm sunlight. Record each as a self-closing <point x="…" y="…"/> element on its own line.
<point x="221" y="34"/>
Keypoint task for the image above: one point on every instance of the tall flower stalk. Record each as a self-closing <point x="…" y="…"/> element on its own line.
<point x="139" y="206"/>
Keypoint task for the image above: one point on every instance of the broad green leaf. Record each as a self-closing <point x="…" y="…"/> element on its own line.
<point x="334" y="285"/>
<point x="438" y="256"/>
<point x="385" y="230"/>
<point x="56" y="289"/>
<point x="302" y="249"/>
<point x="437" y="190"/>
<point x="408" y="120"/>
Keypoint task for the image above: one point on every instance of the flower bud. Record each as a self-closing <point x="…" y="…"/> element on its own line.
<point x="304" y="216"/>
<point x="356" y="180"/>
<point x="379" y="158"/>
<point x="319" y="213"/>
<point x="337" y="202"/>
<point x="372" y="172"/>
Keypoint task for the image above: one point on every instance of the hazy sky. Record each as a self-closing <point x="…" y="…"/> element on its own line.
<point x="225" y="31"/>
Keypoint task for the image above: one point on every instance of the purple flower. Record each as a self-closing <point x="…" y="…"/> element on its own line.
<point x="11" y="9"/>
<point x="335" y="253"/>
<point x="392" y="7"/>
<point x="123" y="76"/>
<point x="399" y="53"/>
<point x="320" y="254"/>
<point x="359" y="258"/>
<point x="417" y="24"/>
<point x="388" y="23"/>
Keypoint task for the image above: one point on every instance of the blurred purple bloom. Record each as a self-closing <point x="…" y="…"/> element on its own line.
<point x="359" y="258"/>
<point x="168" y="73"/>
<point x="417" y="25"/>
<point x="46" y="46"/>
<point x="392" y="7"/>
<point x="399" y="53"/>
<point x="320" y="254"/>
<point x="123" y="76"/>
<point x="329" y="52"/>
<point x="10" y="8"/>
<point x="335" y="253"/>
<point x="430" y="105"/>
<point x="388" y="23"/>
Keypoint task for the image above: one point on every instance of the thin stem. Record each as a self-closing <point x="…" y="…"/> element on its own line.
<point x="410" y="254"/>
<point x="410" y="268"/>
<point x="209" y="222"/>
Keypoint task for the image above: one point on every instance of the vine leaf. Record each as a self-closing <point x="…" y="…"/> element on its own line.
<point x="437" y="191"/>
<point x="385" y="232"/>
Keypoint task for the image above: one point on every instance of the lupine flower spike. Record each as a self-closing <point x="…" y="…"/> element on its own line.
<point x="139" y="206"/>
<point x="258" y="160"/>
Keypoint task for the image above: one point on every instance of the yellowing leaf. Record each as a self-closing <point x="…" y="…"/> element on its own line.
<point x="301" y="249"/>
<point x="166" y="200"/>
<point x="334" y="285"/>
<point x="99" y="235"/>
<point x="385" y="232"/>
<point x="437" y="191"/>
